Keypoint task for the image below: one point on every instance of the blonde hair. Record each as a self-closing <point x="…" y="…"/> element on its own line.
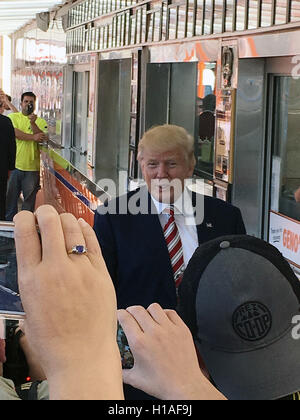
<point x="163" y="138"/>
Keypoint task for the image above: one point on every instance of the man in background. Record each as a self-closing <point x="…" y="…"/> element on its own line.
<point x="30" y="130"/>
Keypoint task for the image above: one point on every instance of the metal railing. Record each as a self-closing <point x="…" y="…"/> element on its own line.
<point x="101" y="24"/>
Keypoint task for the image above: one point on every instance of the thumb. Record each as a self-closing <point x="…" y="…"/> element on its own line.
<point x="128" y="376"/>
<point x="138" y="379"/>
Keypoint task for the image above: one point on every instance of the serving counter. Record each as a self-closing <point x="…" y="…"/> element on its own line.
<point x="68" y="183"/>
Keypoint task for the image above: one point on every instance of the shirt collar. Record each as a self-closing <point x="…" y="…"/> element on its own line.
<point x="183" y="205"/>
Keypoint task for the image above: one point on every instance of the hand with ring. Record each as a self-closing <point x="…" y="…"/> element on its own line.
<point x="70" y="305"/>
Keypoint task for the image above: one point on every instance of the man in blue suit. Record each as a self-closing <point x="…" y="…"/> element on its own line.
<point x="130" y="229"/>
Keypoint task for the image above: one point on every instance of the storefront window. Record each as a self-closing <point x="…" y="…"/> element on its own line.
<point x="187" y="99"/>
<point x="205" y="119"/>
<point x="285" y="185"/>
<point x="80" y="111"/>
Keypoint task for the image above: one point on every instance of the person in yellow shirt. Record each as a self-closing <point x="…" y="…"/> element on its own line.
<point x="30" y="130"/>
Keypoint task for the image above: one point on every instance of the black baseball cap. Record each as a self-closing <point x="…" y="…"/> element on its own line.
<point x="240" y="297"/>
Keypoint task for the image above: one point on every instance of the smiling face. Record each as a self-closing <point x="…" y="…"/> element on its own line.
<point x="165" y="172"/>
<point x="166" y="156"/>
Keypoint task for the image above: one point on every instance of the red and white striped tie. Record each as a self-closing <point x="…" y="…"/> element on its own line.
<point x="174" y="245"/>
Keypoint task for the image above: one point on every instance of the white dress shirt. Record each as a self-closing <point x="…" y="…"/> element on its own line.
<point x="182" y="215"/>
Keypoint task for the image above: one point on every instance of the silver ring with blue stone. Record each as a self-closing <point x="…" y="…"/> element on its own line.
<point x="78" y="250"/>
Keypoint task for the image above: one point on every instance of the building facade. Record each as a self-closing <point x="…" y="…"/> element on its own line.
<point x="227" y="71"/>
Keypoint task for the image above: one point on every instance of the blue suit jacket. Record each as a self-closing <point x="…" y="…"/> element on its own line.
<point x="136" y="253"/>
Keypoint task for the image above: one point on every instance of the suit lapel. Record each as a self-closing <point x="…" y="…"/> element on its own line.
<point x="151" y="224"/>
<point x="204" y="229"/>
